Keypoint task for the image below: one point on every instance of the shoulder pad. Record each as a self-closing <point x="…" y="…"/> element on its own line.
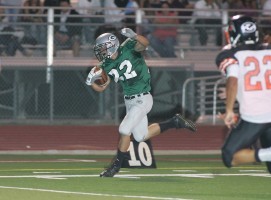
<point x="226" y="58"/>
<point x="227" y="47"/>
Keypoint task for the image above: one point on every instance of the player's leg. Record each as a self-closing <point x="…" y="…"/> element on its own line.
<point x="266" y="144"/>
<point x="142" y="132"/>
<point x="177" y="121"/>
<point x="243" y="156"/>
<point x="157" y="128"/>
<point x="236" y="149"/>
<point x="136" y="110"/>
<point x="136" y="122"/>
<point x="116" y="163"/>
<point x="259" y="155"/>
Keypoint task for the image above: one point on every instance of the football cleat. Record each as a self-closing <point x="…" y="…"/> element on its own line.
<point x="111" y="170"/>
<point x="180" y="122"/>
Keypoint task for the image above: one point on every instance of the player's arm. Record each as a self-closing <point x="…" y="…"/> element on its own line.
<point x="231" y="91"/>
<point x="228" y="65"/>
<point x="142" y="42"/>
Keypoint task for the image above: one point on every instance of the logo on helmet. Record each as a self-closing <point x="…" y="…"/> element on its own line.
<point x="112" y="38"/>
<point x="248" y="27"/>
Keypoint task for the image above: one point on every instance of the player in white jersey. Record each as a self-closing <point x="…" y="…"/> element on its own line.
<point x="247" y="65"/>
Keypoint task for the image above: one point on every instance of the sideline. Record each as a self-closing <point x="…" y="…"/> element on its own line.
<point x="106" y="152"/>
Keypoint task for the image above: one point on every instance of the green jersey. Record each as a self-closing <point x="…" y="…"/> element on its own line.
<point x="130" y="69"/>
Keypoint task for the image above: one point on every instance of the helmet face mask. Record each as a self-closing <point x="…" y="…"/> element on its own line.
<point x="105" y="46"/>
<point x="242" y="30"/>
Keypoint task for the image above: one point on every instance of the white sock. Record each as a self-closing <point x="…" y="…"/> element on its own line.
<point x="265" y="154"/>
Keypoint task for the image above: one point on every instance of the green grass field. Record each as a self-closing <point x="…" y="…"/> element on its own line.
<point x="75" y="177"/>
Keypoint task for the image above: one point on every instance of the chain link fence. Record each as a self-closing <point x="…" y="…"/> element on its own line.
<point x="26" y="96"/>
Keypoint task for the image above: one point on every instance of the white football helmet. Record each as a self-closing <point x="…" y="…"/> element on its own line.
<point x="105" y="46"/>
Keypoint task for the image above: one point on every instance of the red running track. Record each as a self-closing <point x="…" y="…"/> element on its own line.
<point x="21" y="137"/>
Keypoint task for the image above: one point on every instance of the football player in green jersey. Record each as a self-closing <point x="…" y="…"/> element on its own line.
<point x="126" y="65"/>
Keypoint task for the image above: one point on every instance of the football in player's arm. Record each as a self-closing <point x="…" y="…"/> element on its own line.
<point x="247" y="65"/>
<point x="125" y="64"/>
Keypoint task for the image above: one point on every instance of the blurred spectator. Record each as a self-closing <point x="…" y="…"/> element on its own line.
<point x="260" y="3"/>
<point x="267" y="38"/>
<point x="67" y="34"/>
<point x="163" y="38"/>
<point x="224" y="4"/>
<point x="129" y="11"/>
<point x="11" y="42"/>
<point x="144" y="28"/>
<point x="9" y="38"/>
<point x="12" y="13"/>
<point x="155" y="4"/>
<point x="144" y="3"/>
<point x="113" y="16"/>
<point x="35" y="32"/>
<point x="244" y="7"/>
<point x="152" y="4"/>
<point x="266" y="8"/>
<point x="112" y="13"/>
<point x="51" y="3"/>
<point x="88" y="9"/>
<point x="182" y="4"/>
<point x="266" y="15"/>
<point x="207" y="13"/>
<point x="121" y="3"/>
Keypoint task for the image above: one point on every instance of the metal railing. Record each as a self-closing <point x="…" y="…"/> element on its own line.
<point x="206" y="91"/>
<point x="198" y="96"/>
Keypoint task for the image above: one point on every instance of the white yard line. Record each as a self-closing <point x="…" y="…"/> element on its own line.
<point x="91" y="194"/>
<point x="49" y="176"/>
<point x="184" y="170"/>
<point x="47" y="161"/>
<point x="46" y="172"/>
<point x="76" y="160"/>
<point x="194" y="175"/>
<point x="252" y="170"/>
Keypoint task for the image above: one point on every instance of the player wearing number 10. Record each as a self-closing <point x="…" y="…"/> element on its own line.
<point x="125" y="64"/>
<point x="247" y="65"/>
